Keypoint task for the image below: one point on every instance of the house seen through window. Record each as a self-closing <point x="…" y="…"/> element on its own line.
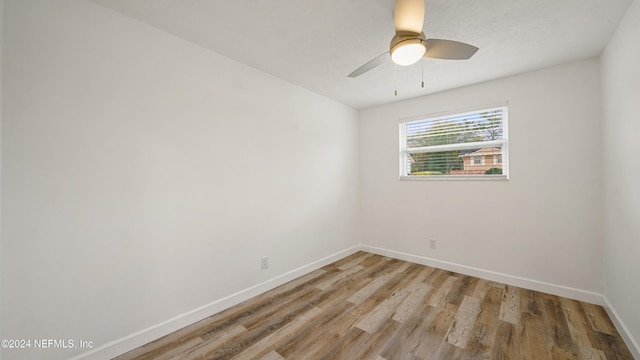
<point x="473" y="145"/>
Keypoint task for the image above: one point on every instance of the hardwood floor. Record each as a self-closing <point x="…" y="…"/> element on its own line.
<point x="367" y="306"/>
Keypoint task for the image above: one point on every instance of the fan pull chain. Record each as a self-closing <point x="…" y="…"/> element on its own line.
<point x="422" y="64"/>
<point x="395" y="71"/>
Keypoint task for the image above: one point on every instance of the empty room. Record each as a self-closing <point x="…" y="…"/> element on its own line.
<point x="269" y="180"/>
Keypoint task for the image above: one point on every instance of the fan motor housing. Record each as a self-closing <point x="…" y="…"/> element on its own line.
<point x="402" y="37"/>
<point x="407" y="48"/>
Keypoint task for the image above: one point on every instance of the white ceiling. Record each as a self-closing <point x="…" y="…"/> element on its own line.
<point x="316" y="43"/>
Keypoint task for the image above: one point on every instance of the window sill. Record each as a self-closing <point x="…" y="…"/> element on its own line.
<point x="456" y="178"/>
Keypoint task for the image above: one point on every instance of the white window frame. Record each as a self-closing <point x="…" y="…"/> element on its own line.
<point x="503" y="143"/>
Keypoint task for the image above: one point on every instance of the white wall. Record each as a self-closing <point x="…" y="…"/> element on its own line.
<point x="544" y="224"/>
<point x="144" y="176"/>
<point x="621" y="129"/>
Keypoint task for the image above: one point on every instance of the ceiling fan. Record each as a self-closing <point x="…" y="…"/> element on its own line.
<point x="410" y="44"/>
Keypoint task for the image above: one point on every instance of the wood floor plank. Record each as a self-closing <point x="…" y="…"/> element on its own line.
<point x="392" y="265"/>
<point x="279" y="309"/>
<point x="263" y="346"/>
<point x="440" y="294"/>
<point x="558" y="353"/>
<point x="481" y="288"/>
<point x="598" y="319"/>
<point x="328" y="328"/>
<point x="203" y="350"/>
<point x="272" y="355"/>
<point x="166" y="344"/>
<point x="367" y="306"/>
<point x="374" y="343"/>
<point x="271" y="325"/>
<point x="510" y="308"/>
<point x="464" y="287"/>
<point x="576" y="321"/>
<point x="343" y="347"/>
<point x="535" y="342"/>
<point x="372" y="322"/>
<point x="507" y="341"/>
<point x="611" y="345"/>
<point x="447" y="351"/>
<point x="389" y="287"/>
<point x="179" y="351"/>
<point x="411" y="302"/>
<point x="433" y="338"/>
<point x="334" y="332"/>
<point x="324" y="285"/>
<point x="365" y="345"/>
<point x="259" y="306"/>
<point x="414" y="275"/>
<point x="409" y="335"/>
<point x="463" y="321"/>
<point x="362" y="256"/>
<point x="589" y="353"/>
<point x="336" y="264"/>
<point x="480" y="345"/>
<point x="366" y="291"/>
<point x="556" y="324"/>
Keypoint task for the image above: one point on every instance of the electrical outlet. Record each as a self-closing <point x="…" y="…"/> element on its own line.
<point x="433" y="244"/>
<point x="265" y="262"/>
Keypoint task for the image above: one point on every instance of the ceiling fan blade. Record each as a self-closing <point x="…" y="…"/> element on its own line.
<point x="449" y="49"/>
<point x="370" y="65"/>
<point x="408" y="16"/>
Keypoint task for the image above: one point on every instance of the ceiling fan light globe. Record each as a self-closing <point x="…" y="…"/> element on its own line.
<point x="408" y="52"/>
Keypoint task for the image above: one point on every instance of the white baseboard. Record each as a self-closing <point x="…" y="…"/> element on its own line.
<point x="631" y="342"/>
<point x="560" y="290"/>
<point x="128" y="343"/>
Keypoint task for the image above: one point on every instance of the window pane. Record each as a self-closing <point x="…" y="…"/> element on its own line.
<point x="483" y="161"/>
<point x="436" y="163"/>
<point x="456" y="163"/>
<point x="456" y="129"/>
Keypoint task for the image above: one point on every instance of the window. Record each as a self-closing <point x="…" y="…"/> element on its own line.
<point x="466" y="145"/>
<point x="478" y="160"/>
